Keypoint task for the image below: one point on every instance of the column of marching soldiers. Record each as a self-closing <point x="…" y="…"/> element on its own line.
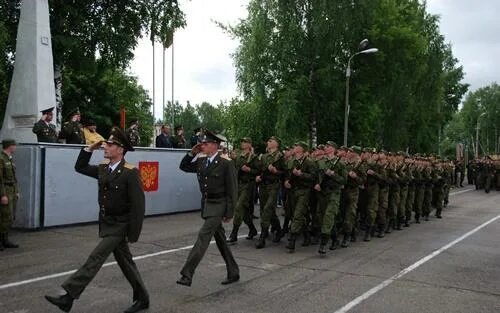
<point x="336" y="195"/>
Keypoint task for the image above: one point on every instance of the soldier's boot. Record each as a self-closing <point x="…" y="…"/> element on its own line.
<point x="426" y="217"/>
<point x="368" y="234"/>
<point x="417" y="218"/>
<point x="345" y="241"/>
<point x="381" y="231"/>
<point x="252" y="231"/>
<point x="354" y="235"/>
<point x="407" y="222"/>
<point x="278" y="234"/>
<point x="438" y="214"/>
<point x="315" y="238"/>
<point x="373" y="231"/>
<point x="398" y="224"/>
<point x="262" y="239"/>
<point x="7" y="243"/>
<point x="307" y="239"/>
<point x="233" y="237"/>
<point x="64" y="303"/>
<point x="388" y="229"/>
<point x="291" y="242"/>
<point x="335" y="242"/>
<point x="322" y="244"/>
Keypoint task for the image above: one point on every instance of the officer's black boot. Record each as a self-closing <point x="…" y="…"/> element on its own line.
<point x="64" y="302"/>
<point x="322" y="244"/>
<point x="368" y="234"/>
<point x="7" y="243"/>
<point x="291" y="242"/>
<point x="307" y="239"/>
<point x="252" y="231"/>
<point x="407" y="222"/>
<point x="381" y="231"/>
<point x="345" y="241"/>
<point x="233" y="237"/>
<point x="262" y="239"/>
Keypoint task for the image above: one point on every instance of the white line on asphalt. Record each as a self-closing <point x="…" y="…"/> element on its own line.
<point x="141" y="257"/>
<point x="410" y="268"/>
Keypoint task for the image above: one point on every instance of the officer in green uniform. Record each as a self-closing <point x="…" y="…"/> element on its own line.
<point x="218" y="182"/>
<point x="488" y="174"/>
<point x="72" y="130"/>
<point x="383" y="198"/>
<point x="272" y="168"/>
<point x="122" y="205"/>
<point x="394" y="194"/>
<point x="439" y="181"/>
<point x="133" y="133"/>
<point x="332" y="177"/>
<point x="9" y="192"/>
<point x="248" y="168"/>
<point x="356" y="179"/>
<point x="313" y="217"/>
<point x="300" y="179"/>
<point x="44" y="130"/>
<point x="428" y="178"/>
<point x="403" y="183"/>
<point x="447" y="175"/>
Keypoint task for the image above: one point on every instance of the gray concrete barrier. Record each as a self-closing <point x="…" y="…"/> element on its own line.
<point x="53" y="194"/>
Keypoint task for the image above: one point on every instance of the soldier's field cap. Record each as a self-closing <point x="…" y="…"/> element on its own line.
<point x="275" y="138"/>
<point x="47" y="111"/>
<point x="331" y="144"/>
<point x="356" y="149"/>
<point x="212" y="137"/>
<point x="246" y="139"/>
<point x="302" y="144"/>
<point x="382" y="151"/>
<point x="75" y="111"/>
<point x="8" y="142"/>
<point x="118" y="137"/>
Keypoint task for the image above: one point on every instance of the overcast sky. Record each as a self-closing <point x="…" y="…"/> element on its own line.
<point x="204" y="68"/>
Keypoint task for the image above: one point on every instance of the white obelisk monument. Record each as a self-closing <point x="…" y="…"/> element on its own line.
<point x="32" y="86"/>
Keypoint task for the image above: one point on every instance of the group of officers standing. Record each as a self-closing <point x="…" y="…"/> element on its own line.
<point x="333" y="193"/>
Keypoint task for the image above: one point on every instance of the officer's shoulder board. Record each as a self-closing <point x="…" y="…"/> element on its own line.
<point x="129" y="166"/>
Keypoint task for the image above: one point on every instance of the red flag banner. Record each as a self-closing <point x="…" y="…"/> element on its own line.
<point x="149" y="175"/>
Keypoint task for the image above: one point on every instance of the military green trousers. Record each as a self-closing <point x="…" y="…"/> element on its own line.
<point x="402" y="203"/>
<point x="372" y="205"/>
<point x="350" y="205"/>
<point x="419" y="200"/>
<point x="383" y="204"/>
<point x="77" y="282"/>
<point x="7" y="211"/>
<point x="427" y="205"/>
<point x="328" y="209"/>
<point x="268" y="196"/>
<point x="394" y="199"/>
<point x="211" y="228"/>
<point x="410" y="200"/>
<point x="439" y="194"/>
<point x="242" y="210"/>
<point x="300" y="200"/>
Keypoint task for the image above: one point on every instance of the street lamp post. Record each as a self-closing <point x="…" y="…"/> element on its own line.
<point x="362" y="44"/>
<point x="477" y="134"/>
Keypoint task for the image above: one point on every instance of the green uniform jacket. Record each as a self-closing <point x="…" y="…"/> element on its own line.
<point x="8" y="180"/>
<point x="121" y="197"/>
<point x="218" y="184"/>
<point x="275" y="159"/>
<point x="360" y="170"/>
<point x="250" y="160"/>
<point x="309" y="173"/>
<point x="72" y="132"/>
<point x="339" y="177"/>
<point x="45" y="132"/>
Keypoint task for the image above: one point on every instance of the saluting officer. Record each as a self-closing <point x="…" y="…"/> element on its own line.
<point x="44" y="130"/>
<point x="121" y="203"/>
<point x="219" y="188"/>
<point x="72" y="130"/>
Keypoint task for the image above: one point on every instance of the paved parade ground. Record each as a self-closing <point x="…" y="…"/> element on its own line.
<point x="448" y="265"/>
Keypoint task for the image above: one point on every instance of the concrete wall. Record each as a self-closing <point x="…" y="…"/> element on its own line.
<point x="53" y="194"/>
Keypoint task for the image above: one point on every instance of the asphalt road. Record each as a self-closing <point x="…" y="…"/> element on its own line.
<point x="448" y="265"/>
